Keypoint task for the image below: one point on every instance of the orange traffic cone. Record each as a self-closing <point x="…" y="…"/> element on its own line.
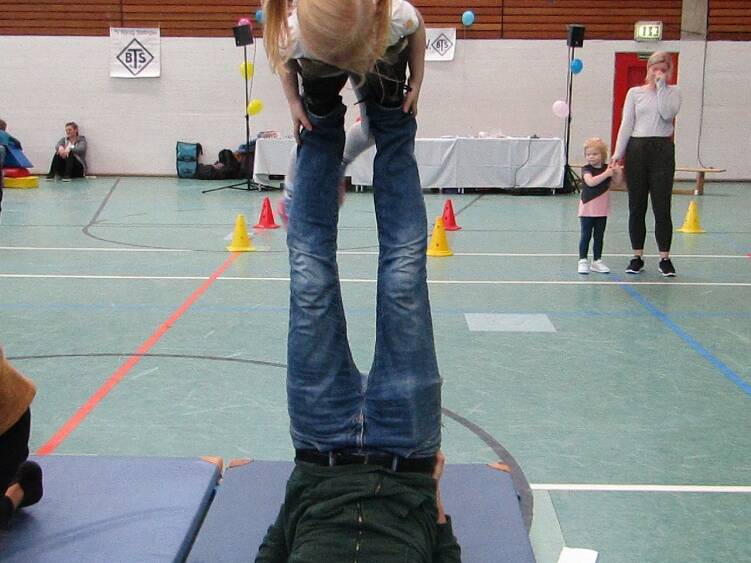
<point x="439" y="245"/>
<point x="266" y="220"/>
<point x="449" y="220"/>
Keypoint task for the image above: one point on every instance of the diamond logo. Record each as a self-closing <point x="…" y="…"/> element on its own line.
<point x="135" y="57"/>
<point x="442" y="44"/>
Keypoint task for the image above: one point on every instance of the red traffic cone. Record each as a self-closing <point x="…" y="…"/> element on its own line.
<point x="449" y="221"/>
<point x="266" y="220"/>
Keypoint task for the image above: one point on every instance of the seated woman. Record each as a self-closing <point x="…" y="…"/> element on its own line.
<point x="69" y="160"/>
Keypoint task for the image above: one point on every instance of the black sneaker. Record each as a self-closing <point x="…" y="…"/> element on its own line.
<point x="666" y="268"/>
<point x="50" y="176"/>
<point x="635" y="266"/>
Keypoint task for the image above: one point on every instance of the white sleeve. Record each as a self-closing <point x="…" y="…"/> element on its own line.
<point x="294" y="48"/>
<point x="404" y="20"/>
<point x="668" y="101"/>
<point x="627" y="125"/>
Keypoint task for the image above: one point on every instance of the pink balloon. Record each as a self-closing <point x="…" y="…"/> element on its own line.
<point x="560" y="108"/>
<point x="243" y="21"/>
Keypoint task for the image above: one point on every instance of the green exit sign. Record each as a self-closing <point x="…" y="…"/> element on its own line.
<point x="648" y="31"/>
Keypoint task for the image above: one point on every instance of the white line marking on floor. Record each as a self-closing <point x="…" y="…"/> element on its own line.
<point x="641" y="488"/>
<point x="355" y="280"/>
<point x="93" y="249"/>
<point x="369" y="252"/>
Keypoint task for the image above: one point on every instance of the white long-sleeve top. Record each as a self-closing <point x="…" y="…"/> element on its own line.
<point x="647" y="112"/>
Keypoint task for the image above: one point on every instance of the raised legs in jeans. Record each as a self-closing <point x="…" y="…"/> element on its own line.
<point x="331" y="406"/>
<point x="650" y="167"/>
<point x="590" y="226"/>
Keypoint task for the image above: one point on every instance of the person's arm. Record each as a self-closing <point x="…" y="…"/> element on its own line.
<point x="79" y="148"/>
<point x="274" y="548"/>
<point x="593" y="181"/>
<point x="416" y="63"/>
<point x="447" y="549"/>
<point x="627" y="126"/>
<point x="668" y="99"/>
<point x="291" y="88"/>
<point x="60" y="146"/>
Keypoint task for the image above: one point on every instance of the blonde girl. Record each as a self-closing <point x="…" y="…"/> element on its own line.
<point x="346" y="426"/>
<point x="594" y="204"/>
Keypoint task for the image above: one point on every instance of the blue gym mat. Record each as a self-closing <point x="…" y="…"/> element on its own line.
<point x="112" y="509"/>
<point x="15" y="158"/>
<point x="481" y="501"/>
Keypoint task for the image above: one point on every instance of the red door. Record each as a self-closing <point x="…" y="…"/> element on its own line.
<point x="630" y="71"/>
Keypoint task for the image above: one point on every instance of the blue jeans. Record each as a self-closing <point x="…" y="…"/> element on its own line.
<point x="396" y="408"/>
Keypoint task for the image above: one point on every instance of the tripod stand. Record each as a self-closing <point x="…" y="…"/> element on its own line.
<point x="243" y="38"/>
<point x="575" y="39"/>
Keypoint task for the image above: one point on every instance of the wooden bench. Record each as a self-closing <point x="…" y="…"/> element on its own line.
<point x="700" y="177"/>
<point x="700" y="174"/>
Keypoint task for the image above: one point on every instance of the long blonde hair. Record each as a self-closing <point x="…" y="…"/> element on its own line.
<point x="349" y="34"/>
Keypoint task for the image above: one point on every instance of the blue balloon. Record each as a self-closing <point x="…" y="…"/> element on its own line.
<point x="259" y="16"/>
<point x="468" y="18"/>
<point x="576" y="66"/>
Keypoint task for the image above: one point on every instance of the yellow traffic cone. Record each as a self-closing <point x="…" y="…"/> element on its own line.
<point x="439" y="246"/>
<point x="691" y="222"/>
<point x="240" y="239"/>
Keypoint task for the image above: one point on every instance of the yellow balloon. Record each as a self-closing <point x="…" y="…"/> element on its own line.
<point x="246" y="69"/>
<point x="255" y="106"/>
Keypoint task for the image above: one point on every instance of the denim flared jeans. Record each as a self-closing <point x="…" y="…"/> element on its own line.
<point x="396" y="408"/>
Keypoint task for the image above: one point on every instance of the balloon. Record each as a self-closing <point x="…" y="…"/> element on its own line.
<point x="246" y="69"/>
<point x="576" y="66"/>
<point x="468" y="18"/>
<point x="259" y="16"/>
<point x="560" y="108"/>
<point x="255" y="106"/>
<point x="243" y="21"/>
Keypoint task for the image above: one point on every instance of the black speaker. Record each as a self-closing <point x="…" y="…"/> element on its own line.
<point x="243" y="35"/>
<point x="575" y="36"/>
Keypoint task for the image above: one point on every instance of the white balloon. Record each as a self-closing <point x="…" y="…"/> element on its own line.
<point x="560" y="108"/>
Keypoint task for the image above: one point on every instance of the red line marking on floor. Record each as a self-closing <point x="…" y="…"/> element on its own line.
<point x="72" y="423"/>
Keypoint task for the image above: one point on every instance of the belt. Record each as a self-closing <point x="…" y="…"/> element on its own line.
<point x="392" y="462"/>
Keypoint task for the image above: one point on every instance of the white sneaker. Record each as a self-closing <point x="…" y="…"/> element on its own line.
<point x="583" y="266"/>
<point x="600" y="267"/>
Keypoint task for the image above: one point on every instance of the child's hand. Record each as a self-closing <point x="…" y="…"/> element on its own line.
<point x="299" y="118"/>
<point x="410" y="101"/>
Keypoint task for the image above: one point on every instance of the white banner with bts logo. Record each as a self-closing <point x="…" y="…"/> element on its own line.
<point x="440" y="44"/>
<point x="135" y="52"/>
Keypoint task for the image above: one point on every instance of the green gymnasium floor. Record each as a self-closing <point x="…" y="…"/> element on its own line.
<point x="113" y="298"/>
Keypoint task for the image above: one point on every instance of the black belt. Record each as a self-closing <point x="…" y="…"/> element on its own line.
<point x="392" y="462"/>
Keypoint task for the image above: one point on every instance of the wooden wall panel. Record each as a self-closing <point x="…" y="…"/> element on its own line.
<point x="448" y="13"/>
<point x="494" y="19"/>
<point x="729" y="20"/>
<point x="61" y="17"/>
<point x="603" y="19"/>
<point x="193" y="18"/>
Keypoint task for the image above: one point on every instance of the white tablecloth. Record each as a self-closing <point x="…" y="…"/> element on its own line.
<point x="450" y="162"/>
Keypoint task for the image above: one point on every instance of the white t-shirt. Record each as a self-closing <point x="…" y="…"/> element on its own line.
<point x="404" y="21"/>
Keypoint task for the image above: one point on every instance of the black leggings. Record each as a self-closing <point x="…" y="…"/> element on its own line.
<point x="590" y="225"/>
<point x="14" y="450"/>
<point x="650" y="167"/>
<point x="69" y="167"/>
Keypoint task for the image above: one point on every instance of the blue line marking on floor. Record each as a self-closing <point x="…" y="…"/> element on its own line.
<point x="688" y="339"/>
